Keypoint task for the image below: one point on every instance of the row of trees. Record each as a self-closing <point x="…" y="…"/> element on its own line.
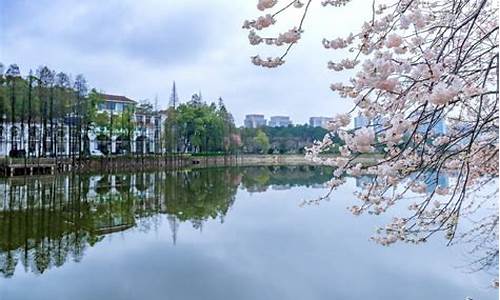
<point x="291" y="139"/>
<point x="198" y="127"/>
<point x="46" y="105"/>
<point x="48" y="99"/>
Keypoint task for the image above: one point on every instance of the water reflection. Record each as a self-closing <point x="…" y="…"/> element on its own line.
<point x="432" y="180"/>
<point x="47" y="221"/>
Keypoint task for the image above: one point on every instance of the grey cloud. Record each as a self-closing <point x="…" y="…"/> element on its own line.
<point x="137" y="48"/>
<point x="171" y="37"/>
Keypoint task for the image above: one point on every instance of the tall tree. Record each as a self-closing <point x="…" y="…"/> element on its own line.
<point x="46" y="81"/>
<point x="64" y="94"/>
<point x="12" y="75"/>
<point x="229" y="143"/>
<point x="30" y="112"/>
<point x="174" y="98"/>
<point x="3" y="102"/>
<point x="80" y="87"/>
<point x="91" y="105"/>
<point x="126" y="125"/>
<point x="262" y="140"/>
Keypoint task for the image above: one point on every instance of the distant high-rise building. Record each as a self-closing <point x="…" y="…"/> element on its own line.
<point x="376" y="123"/>
<point x="319" y="121"/>
<point x="361" y="121"/>
<point x="254" y="121"/>
<point x="280" y="121"/>
<point x="363" y="181"/>
<point x="438" y="127"/>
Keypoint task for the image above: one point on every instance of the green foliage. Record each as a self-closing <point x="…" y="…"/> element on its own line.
<point x="192" y="127"/>
<point x="125" y="122"/>
<point x="102" y="121"/>
<point x="35" y="99"/>
<point x="199" y="127"/>
<point x="282" y="140"/>
<point x="262" y="141"/>
<point x="93" y="100"/>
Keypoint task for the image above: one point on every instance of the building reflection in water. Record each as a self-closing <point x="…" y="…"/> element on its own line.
<point x="431" y="179"/>
<point x="47" y="221"/>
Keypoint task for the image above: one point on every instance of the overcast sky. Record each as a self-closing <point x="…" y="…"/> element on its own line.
<point x="138" y="48"/>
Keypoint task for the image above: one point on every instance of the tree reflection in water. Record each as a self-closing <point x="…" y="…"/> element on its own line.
<point x="47" y="221"/>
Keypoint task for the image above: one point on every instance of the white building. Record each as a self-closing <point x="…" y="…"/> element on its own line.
<point x="147" y="132"/>
<point x="62" y="138"/>
<point x="19" y="140"/>
<point x="319" y="121"/>
<point x="361" y="121"/>
<point x="254" y="121"/>
<point x="438" y="127"/>
<point x="280" y="121"/>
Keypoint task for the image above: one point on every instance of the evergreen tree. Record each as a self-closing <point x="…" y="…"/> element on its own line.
<point x="174" y="98"/>
<point x="12" y="76"/>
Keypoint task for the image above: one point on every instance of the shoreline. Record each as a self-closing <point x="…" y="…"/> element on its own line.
<point x="21" y="167"/>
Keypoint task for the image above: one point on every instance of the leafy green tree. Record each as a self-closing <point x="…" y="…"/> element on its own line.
<point x="196" y="126"/>
<point x="89" y="117"/>
<point x="12" y="76"/>
<point x="124" y="125"/>
<point x="171" y="140"/>
<point x="262" y="141"/>
<point x="291" y="139"/>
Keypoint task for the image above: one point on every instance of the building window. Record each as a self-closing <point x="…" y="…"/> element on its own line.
<point x="119" y="107"/>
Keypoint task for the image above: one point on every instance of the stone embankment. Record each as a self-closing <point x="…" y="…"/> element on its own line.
<point x="13" y="167"/>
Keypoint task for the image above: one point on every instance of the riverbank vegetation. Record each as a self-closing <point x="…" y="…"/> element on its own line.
<point x="45" y="103"/>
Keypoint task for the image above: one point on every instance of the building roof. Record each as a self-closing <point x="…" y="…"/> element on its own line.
<point x="117" y="98"/>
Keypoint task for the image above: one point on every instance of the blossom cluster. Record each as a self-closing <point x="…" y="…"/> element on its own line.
<point x="266" y="4"/>
<point x="288" y="38"/>
<point x="419" y="67"/>
<point x="335" y="2"/>
<point x="261" y="22"/>
<point x="270" y="62"/>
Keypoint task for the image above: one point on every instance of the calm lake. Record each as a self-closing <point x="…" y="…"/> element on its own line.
<point x="216" y="233"/>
